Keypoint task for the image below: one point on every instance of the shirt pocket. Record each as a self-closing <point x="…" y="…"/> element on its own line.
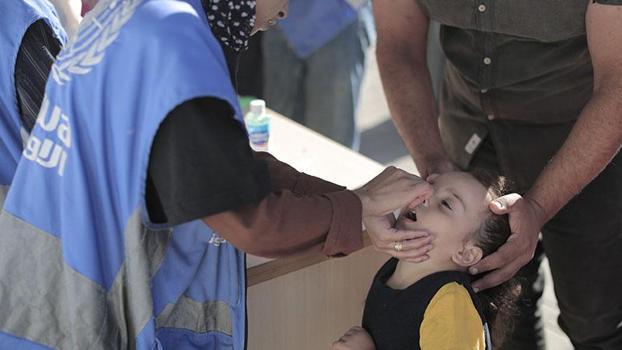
<point x="542" y="20"/>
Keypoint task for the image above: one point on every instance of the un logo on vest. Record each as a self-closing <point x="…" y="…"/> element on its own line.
<point x="51" y="148"/>
<point x="98" y="30"/>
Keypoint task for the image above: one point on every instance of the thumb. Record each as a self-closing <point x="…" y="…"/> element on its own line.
<point x="423" y="192"/>
<point x="504" y="204"/>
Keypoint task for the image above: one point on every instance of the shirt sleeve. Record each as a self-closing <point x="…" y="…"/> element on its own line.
<point x="451" y="322"/>
<point x="285" y="223"/>
<point x="201" y="164"/>
<point x="34" y="61"/>
<point x="302" y="214"/>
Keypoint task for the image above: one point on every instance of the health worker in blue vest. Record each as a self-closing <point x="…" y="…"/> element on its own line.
<point x="137" y="192"/>
<point x="30" y="38"/>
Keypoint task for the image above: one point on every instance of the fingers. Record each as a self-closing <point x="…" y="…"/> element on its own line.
<point x="387" y="241"/>
<point x="417" y="243"/>
<point x="391" y="190"/>
<point x="413" y="250"/>
<point x="423" y="191"/>
<point x="396" y="173"/>
<point x="501" y="257"/>
<point x="414" y="255"/>
<point x="502" y="265"/>
<point x="503" y="205"/>
<point x="417" y="202"/>
<point x="496" y="277"/>
<point x="386" y="173"/>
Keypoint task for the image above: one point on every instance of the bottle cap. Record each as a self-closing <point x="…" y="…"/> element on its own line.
<point x="258" y="107"/>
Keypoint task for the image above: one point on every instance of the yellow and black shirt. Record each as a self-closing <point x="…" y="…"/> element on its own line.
<point x="439" y="312"/>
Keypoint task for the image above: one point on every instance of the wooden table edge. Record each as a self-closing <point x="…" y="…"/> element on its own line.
<point x="279" y="267"/>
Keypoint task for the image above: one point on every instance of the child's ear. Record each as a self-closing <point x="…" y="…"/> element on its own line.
<point x="469" y="255"/>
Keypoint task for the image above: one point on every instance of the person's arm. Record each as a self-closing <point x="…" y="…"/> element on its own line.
<point x="284" y="223"/>
<point x="311" y="206"/>
<point x="305" y="213"/>
<point x="201" y="167"/>
<point x="316" y="215"/>
<point x="401" y="52"/>
<point x="592" y="143"/>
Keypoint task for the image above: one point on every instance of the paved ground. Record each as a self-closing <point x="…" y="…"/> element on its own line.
<point x="381" y="142"/>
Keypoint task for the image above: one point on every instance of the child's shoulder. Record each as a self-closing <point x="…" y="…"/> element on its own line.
<point x="452" y="294"/>
<point x="452" y="318"/>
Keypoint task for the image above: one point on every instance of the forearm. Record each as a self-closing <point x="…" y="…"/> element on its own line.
<point x="284" y="223"/>
<point x="408" y="87"/>
<point x="284" y="177"/>
<point x="592" y="143"/>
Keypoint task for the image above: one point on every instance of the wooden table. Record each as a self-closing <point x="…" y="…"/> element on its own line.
<point x="308" y="301"/>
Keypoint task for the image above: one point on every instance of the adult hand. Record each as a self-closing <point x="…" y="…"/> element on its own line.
<point x="437" y="166"/>
<point x="526" y="219"/>
<point x="355" y="339"/>
<point x="391" y="190"/>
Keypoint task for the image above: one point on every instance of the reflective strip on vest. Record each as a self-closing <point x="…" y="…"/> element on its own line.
<point x="36" y="308"/>
<point x="80" y="265"/>
<point x="211" y="316"/>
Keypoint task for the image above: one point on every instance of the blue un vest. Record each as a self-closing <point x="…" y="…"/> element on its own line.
<point x="15" y="18"/>
<point x="312" y="24"/>
<point x="111" y="279"/>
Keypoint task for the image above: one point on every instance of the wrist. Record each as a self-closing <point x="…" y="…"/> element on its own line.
<point x="539" y="211"/>
<point x="362" y="195"/>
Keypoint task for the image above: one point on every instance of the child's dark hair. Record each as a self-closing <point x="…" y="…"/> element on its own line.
<point x="499" y="303"/>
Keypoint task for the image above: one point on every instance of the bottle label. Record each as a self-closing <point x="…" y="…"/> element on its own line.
<point x="258" y="134"/>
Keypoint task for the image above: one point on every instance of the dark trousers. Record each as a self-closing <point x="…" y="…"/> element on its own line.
<point x="583" y="244"/>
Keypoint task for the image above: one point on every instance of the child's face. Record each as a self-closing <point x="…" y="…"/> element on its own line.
<point x="453" y="213"/>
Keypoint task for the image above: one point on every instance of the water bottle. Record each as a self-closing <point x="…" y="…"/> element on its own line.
<point x="258" y="125"/>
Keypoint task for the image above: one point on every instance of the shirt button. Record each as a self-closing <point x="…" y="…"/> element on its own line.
<point x="481" y="8"/>
<point x="487" y="60"/>
<point x="491" y="117"/>
<point x="483" y="91"/>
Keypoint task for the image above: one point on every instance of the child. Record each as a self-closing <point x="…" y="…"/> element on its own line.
<point x="431" y="305"/>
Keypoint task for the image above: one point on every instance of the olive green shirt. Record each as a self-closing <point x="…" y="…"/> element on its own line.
<point x="518" y="72"/>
